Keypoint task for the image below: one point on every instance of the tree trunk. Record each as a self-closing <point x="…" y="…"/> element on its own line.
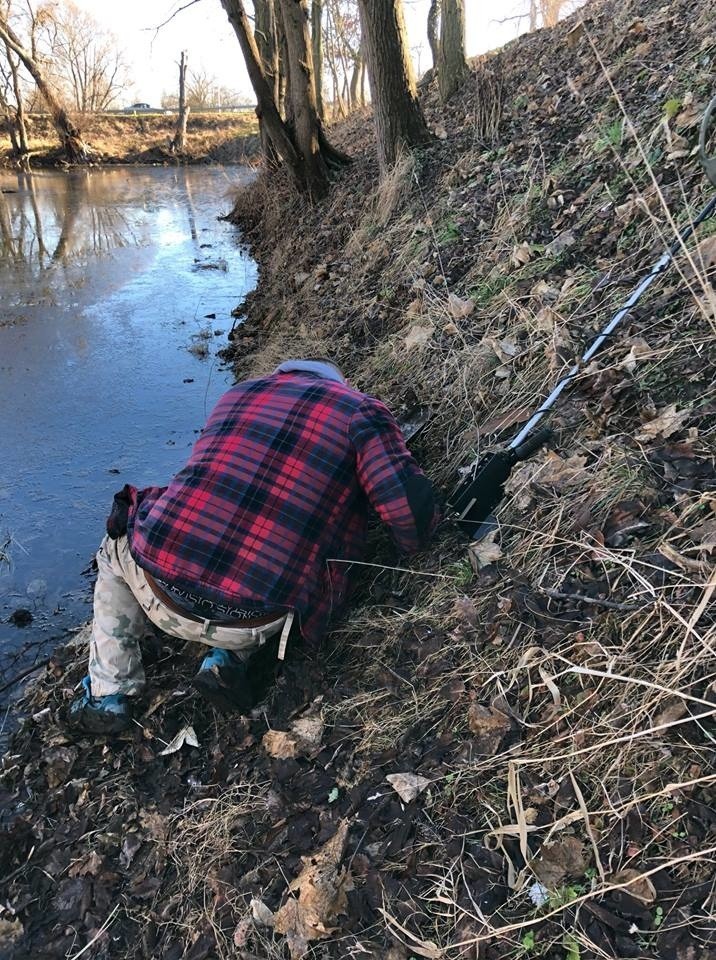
<point x="179" y="141"/>
<point x="317" y="51"/>
<point x="265" y="31"/>
<point x="7" y="125"/>
<point x="452" y="67"/>
<point x="23" y="148"/>
<point x="550" y="10"/>
<point x="399" y="121"/>
<point x="306" y="124"/>
<point x="301" y="145"/>
<point x="355" y="80"/>
<point x="266" y="107"/>
<point x="533" y="15"/>
<point x="433" y="17"/>
<point x="75" y="148"/>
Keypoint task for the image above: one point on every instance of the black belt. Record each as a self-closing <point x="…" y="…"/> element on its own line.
<point x="175" y="607"/>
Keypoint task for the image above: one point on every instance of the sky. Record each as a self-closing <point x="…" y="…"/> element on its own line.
<point x="204" y="31"/>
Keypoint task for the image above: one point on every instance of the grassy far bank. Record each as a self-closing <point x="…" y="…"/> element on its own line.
<point x="145" y="138"/>
<point x="549" y="704"/>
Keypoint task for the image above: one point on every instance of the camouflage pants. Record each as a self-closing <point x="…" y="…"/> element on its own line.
<point x="124" y="602"/>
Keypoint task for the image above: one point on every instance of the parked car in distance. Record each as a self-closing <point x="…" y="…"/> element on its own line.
<point x="144" y="108"/>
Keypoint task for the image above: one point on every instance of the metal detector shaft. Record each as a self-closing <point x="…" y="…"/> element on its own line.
<point x="658" y="268"/>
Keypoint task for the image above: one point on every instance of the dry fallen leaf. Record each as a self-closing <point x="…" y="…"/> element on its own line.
<point x="321" y="896"/>
<point x="638" y="886"/>
<point x="505" y="348"/>
<point x="575" y="35"/>
<point x="704" y="257"/>
<point x="560" y="243"/>
<point x="521" y="254"/>
<point x="519" y="484"/>
<point x="417" y="336"/>
<point x="304" y="737"/>
<point x="488" y="725"/>
<point x="544" y="319"/>
<point x="638" y="350"/>
<point x="451" y="329"/>
<point x="705" y="535"/>
<point x="556" y="862"/>
<point x="459" y="309"/>
<point x="186" y="736"/>
<point x="666" y="422"/>
<point x="262" y="915"/>
<point x="241" y="932"/>
<point x="407" y="785"/>
<point x="484" y="552"/>
<point x="557" y="472"/>
<point x="10" y="931"/>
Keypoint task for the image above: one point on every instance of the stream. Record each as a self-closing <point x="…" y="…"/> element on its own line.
<point x="116" y="292"/>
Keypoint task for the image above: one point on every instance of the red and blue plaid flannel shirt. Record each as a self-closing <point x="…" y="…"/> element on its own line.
<point x="278" y="484"/>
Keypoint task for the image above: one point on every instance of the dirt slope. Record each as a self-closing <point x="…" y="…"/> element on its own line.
<point x="552" y="712"/>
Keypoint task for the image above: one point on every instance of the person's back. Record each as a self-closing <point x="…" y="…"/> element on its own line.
<point x="275" y="487"/>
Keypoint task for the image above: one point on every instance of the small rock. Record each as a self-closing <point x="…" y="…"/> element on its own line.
<point x="20" y="617"/>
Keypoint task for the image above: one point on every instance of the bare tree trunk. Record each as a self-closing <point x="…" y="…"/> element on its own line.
<point x="75" y="148"/>
<point x="550" y="10"/>
<point x="266" y="34"/>
<point x="332" y="44"/>
<point x="306" y="123"/>
<point x="301" y="145"/>
<point x="399" y="121"/>
<point x="433" y="17"/>
<point x="363" y="72"/>
<point x="317" y="51"/>
<point x="179" y="141"/>
<point x="533" y="15"/>
<point x="7" y="125"/>
<point x="355" y="79"/>
<point x="266" y="107"/>
<point x="452" y="67"/>
<point x="20" y="126"/>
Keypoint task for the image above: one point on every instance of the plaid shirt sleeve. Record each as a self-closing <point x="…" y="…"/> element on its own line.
<point x="396" y="487"/>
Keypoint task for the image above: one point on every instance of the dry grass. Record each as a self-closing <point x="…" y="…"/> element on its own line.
<point x="127" y="138"/>
<point x="614" y="705"/>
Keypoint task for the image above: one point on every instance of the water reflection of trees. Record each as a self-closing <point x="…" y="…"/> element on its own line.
<point x="65" y="222"/>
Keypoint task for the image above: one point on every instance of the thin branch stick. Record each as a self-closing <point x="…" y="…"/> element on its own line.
<point x="171" y="17"/>
<point x="25" y="673"/>
<point x="611" y="604"/>
<point x="382" y="566"/>
<point x="97" y="935"/>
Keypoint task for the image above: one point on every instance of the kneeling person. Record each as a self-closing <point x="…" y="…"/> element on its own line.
<point x="280" y="483"/>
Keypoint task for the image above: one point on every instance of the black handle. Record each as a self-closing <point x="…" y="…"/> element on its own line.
<point x="526" y="449"/>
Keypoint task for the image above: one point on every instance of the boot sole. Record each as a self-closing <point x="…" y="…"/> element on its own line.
<point x="221" y="695"/>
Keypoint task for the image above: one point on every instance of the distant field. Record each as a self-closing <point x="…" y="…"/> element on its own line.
<point x="224" y="136"/>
